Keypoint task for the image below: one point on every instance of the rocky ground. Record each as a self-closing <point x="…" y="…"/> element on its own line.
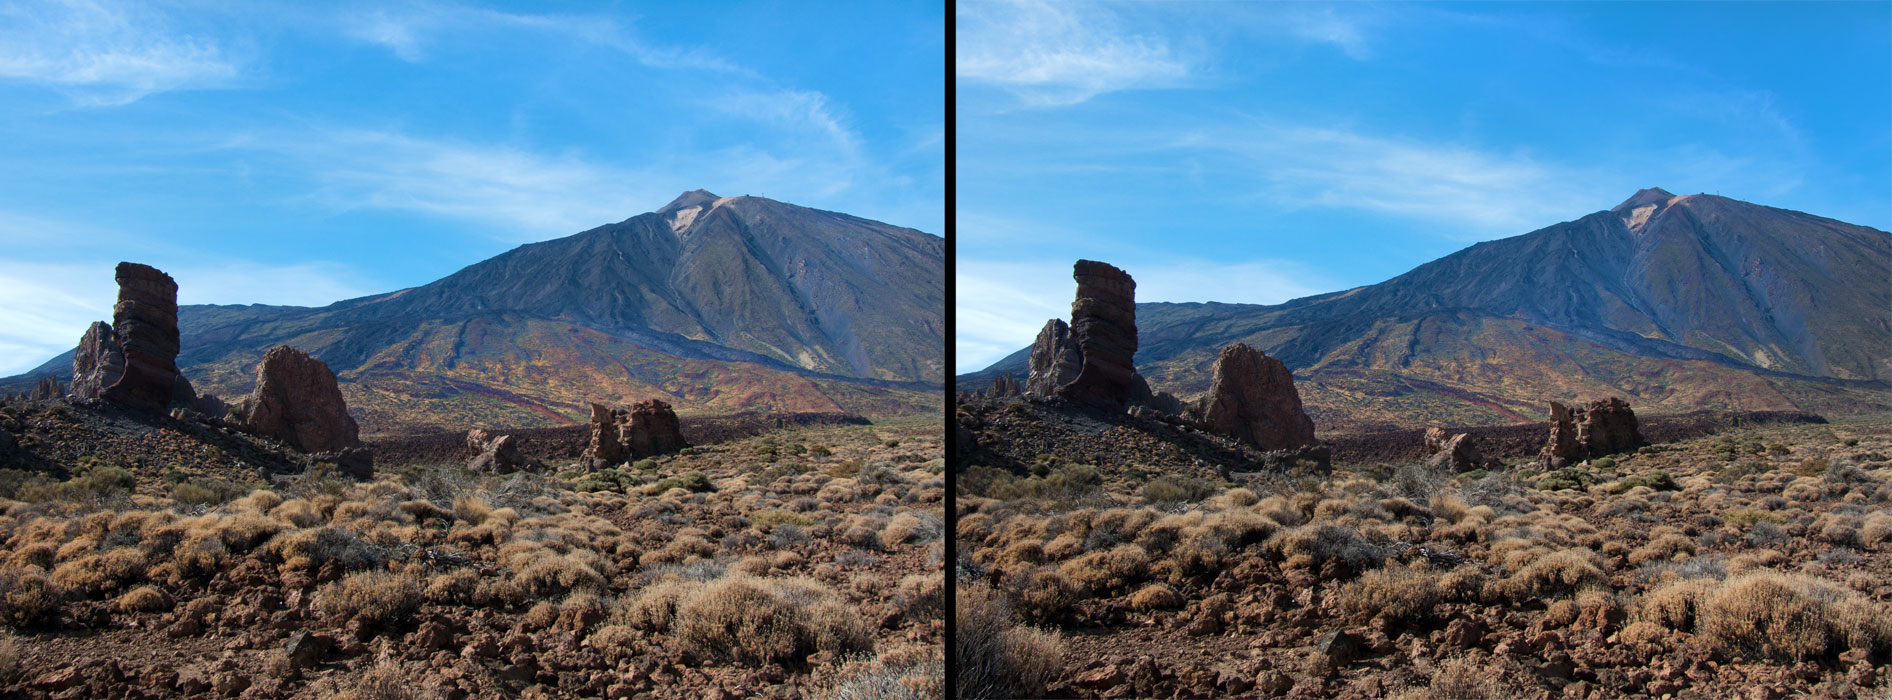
<point x="145" y="557"/>
<point x="1720" y="562"/>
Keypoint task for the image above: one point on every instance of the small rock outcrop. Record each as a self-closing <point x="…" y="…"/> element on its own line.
<point x="352" y="462"/>
<point x="97" y="363"/>
<point x="1252" y="399"/>
<point x="1604" y="427"/>
<point x="1055" y="360"/>
<point x="1458" y="453"/>
<point x="497" y="454"/>
<point x="1104" y="329"/>
<point x="1003" y="386"/>
<point x="298" y="401"/>
<point x="47" y="388"/>
<point x="144" y="324"/>
<point x="646" y="429"/>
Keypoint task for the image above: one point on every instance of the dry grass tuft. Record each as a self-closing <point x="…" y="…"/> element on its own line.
<point x="993" y="656"/>
<point x="144" y="599"/>
<point x="378" y="596"/>
<point x="28" y="598"/>
<point x="1397" y="592"/>
<point x="1786" y="617"/>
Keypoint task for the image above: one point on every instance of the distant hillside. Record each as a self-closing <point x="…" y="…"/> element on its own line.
<point x="717" y="304"/>
<point x="1676" y="302"/>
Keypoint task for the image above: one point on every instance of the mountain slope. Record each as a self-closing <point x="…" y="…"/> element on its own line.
<point x="713" y="303"/>
<point x="1682" y="302"/>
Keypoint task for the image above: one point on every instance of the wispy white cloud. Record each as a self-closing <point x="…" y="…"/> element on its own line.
<point x="1327" y="24"/>
<point x="1053" y="54"/>
<point x="410" y="29"/>
<point x="46" y="306"/>
<point x="106" y="54"/>
<point x="999" y="306"/>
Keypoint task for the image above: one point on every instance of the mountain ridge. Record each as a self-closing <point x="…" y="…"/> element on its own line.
<point x="788" y="307"/>
<point x="1690" y="290"/>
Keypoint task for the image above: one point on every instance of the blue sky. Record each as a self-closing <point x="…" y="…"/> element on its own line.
<point x="303" y="153"/>
<point x="1254" y="152"/>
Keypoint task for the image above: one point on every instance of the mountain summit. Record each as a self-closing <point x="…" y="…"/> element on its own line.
<point x="711" y="303"/>
<point x="1677" y="303"/>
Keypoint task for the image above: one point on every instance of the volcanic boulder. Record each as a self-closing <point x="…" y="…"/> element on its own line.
<point x="1055" y="360"/>
<point x="1604" y="427"/>
<point x="144" y="324"/>
<point x="1456" y="452"/>
<point x="497" y="453"/>
<point x="646" y="429"/>
<point x="1609" y="427"/>
<point x="298" y="401"/>
<point x="1252" y="398"/>
<point x="1104" y="328"/>
<point x="97" y="363"/>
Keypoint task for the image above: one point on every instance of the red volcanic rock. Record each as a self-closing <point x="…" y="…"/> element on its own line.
<point x="144" y="324"/>
<point x="1252" y="398"/>
<point x="1609" y="427"/>
<point x="1055" y="360"/>
<point x="298" y="401"/>
<point x="1104" y="328"/>
<point x="1604" y="427"/>
<point x="1456" y="452"/>
<point x="1562" y="447"/>
<point x="646" y="429"/>
<point x="97" y="363"/>
<point x="497" y="453"/>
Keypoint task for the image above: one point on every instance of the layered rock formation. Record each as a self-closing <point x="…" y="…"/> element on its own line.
<point x="1458" y="453"/>
<point x="1003" y="386"/>
<point x="97" y="363"/>
<point x="497" y="453"/>
<point x="298" y="401"/>
<point x="646" y="429"/>
<point x="1055" y="360"/>
<point x="47" y="388"/>
<point x="1252" y="398"/>
<point x="144" y="326"/>
<point x="1104" y="328"/>
<point x="1604" y="427"/>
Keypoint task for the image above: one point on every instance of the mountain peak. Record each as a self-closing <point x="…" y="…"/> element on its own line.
<point x="689" y="199"/>
<point x="1643" y="198"/>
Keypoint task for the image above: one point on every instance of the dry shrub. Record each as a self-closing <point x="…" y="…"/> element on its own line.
<point x="993" y="656"/>
<point x="1786" y="617"/>
<point x="580" y="611"/>
<point x="922" y="596"/>
<point x="1450" y="507"/>
<point x="1237" y="498"/>
<point x="1025" y="552"/>
<point x="1311" y="546"/>
<point x="9" y="657"/>
<point x="145" y="599"/>
<point x="758" y="621"/>
<point x="1877" y="529"/>
<point x="1199" y="553"/>
<point x="1065" y="546"/>
<point x="1758" y="559"/>
<point x="298" y="512"/>
<point x="910" y="527"/>
<point x="379" y="596"/>
<point x="542" y="615"/>
<point x="1664" y="548"/>
<point x="1110" y="570"/>
<point x="386" y="681"/>
<point x="1640" y="633"/>
<point x="101" y="573"/>
<point x="1464" y="584"/>
<point x="909" y="673"/>
<point x="1156" y="596"/>
<point x="551" y="574"/>
<point x="1398" y="592"/>
<point x="656" y="608"/>
<point x="28" y="597"/>
<point x="1561" y="572"/>
<point x="1464" y="678"/>
<point x="452" y="587"/>
<point x="38" y="555"/>
<point x="614" y="642"/>
<point x="1041" y="594"/>
<point x="309" y="550"/>
<point x="1240" y="528"/>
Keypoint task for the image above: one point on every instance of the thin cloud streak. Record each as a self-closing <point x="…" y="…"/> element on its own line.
<point x="105" y="54"/>
<point x="1052" y="54"/>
